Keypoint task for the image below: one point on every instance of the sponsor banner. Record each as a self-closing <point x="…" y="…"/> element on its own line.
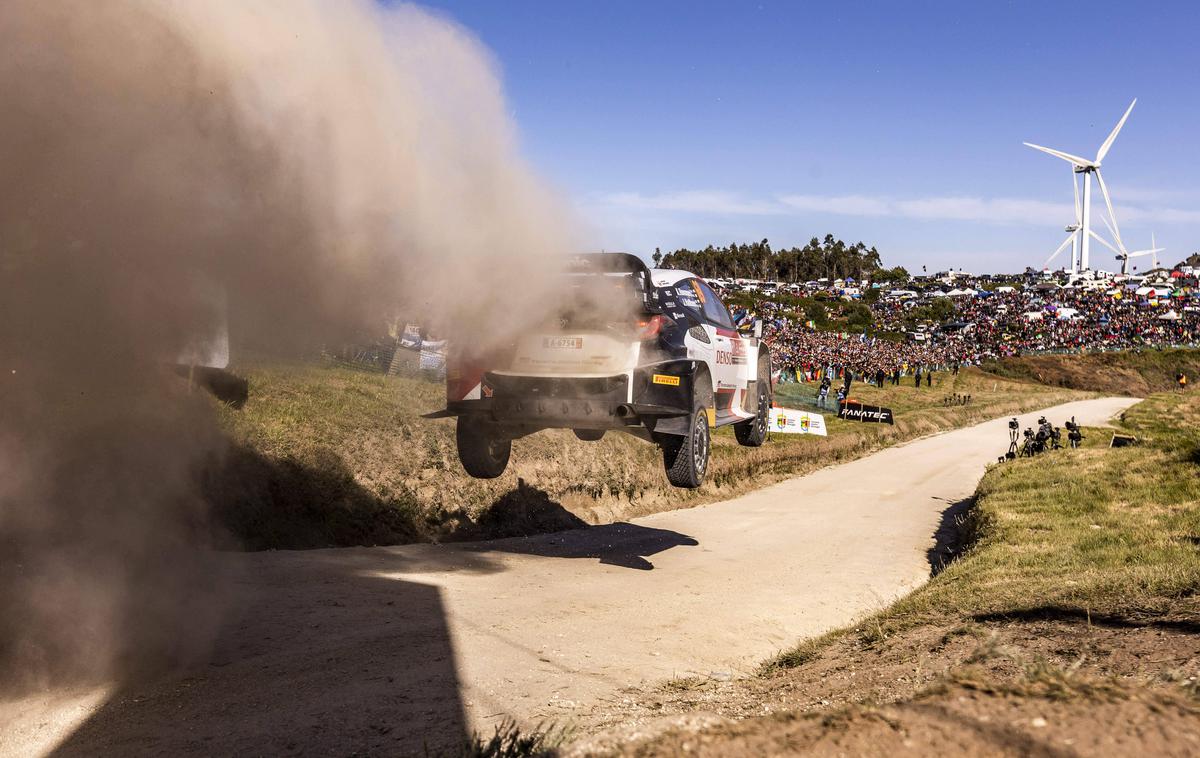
<point x="789" y="421"/>
<point x="670" y="381"/>
<point x="433" y="356"/>
<point x="851" y="411"/>
<point x="411" y="338"/>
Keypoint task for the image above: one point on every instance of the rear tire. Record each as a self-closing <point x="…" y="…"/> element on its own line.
<point x="482" y="449"/>
<point x="753" y="432"/>
<point x="589" y="435"/>
<point x="686" y="457"/>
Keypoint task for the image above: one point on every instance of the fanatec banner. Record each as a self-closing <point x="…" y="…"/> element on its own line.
<point x="859" y="412"/>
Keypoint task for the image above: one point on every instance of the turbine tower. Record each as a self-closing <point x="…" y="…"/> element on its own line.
<point x="1087" y="168"/>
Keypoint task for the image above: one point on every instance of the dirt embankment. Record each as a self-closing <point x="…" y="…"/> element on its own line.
<point x="1132" y="373"/>
<point x="1049" y="685"/>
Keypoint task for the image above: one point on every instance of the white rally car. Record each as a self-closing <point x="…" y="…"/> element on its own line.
<point x="650" y="352"/>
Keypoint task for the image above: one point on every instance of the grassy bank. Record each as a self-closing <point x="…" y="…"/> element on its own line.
<point x="1070" y="622"/>
<point x="1132" y="373"/>
<point x="324" y="456"/>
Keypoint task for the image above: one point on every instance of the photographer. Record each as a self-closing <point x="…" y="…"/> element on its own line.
<point x="823" y="392"/>
<point x="1074" y="433"/>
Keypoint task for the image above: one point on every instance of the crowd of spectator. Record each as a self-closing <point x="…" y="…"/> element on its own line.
<point x="981" y="325"/>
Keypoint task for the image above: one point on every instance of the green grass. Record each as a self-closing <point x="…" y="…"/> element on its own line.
<point x="984" y="389"/>
<point x="1093" y="532"/>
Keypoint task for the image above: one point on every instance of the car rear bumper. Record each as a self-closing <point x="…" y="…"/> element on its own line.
<point x="560" y="401"/>
<point x="639" y="398"/>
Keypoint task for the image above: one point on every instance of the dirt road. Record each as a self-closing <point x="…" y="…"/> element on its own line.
<point x="387" y="650"/>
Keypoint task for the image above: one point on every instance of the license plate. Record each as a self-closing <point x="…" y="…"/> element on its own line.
<point x="562" y="343"/>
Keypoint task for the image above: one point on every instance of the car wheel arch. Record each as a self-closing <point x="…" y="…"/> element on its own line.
<point x="702" y="385"/>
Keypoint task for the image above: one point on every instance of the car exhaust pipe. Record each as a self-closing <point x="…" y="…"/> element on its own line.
<point x="624" y="411"/>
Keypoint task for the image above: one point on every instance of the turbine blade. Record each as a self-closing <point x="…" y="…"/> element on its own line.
<point x="1116" y="230"/>
<point x="1075" y="159"/>
<point x="1113" y="231"/>
<point x="1059" y="249"/>
<point x="1107" y="224"/>
<point x="1104" y="242"/>
<point x="1108" y="142"/>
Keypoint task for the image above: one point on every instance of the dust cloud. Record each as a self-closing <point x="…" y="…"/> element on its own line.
<point x="321" y="164"/>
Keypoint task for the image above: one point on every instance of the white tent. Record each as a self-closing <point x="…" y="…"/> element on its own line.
<point x="1170" y="315"/>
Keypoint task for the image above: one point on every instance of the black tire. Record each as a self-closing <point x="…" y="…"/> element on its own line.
<point x="686" y="457"/>
<point x="482" y="449"/>
<point x="589" y="435"/>
<point x="753" y="432"/>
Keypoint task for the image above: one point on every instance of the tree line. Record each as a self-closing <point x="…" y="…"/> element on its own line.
<point x="829" y="258"/>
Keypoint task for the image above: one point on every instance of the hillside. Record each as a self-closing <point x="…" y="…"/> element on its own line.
<point x="1133" y="373"/>
<point x="329" y="456"/>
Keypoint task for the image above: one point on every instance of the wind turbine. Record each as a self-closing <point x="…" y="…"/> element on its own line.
<point x="1087" y="168"/>
<point x="1153" y="252"/>
<point x="1072" y="231"/>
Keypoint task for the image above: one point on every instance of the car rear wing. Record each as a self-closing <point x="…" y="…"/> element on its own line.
<point x="618" y="263"/>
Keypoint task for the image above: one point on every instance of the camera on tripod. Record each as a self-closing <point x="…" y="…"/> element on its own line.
<point x="1046" y="437"/>
<point x="1074" y="433"/>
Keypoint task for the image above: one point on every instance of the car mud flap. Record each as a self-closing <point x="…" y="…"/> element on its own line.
<point x="665" y="385"/>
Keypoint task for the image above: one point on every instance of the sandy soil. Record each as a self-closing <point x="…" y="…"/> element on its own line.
<point x="387" y="650"/>
<point x="1048" y="684"/>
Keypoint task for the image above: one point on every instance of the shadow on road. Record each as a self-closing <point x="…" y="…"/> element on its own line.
<point x="320" y="657"/>
<point x="320" y="654"/>
<point x="622" y="544"/>
<point x="526" y="520"/>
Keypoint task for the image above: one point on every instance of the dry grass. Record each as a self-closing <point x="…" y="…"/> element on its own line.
<point x="1096" y="534"/>
<point x="1133" y="373"/>
<point x="326" y="455"/>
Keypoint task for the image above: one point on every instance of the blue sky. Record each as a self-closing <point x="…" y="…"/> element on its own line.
<point x="675" y="124"/>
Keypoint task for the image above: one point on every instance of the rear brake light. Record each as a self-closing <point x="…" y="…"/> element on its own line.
<point x="649" y="328"/>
